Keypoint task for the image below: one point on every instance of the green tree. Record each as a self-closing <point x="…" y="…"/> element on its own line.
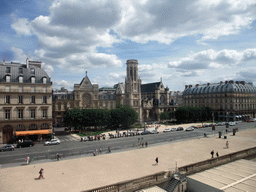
<point x="164" y="116"/>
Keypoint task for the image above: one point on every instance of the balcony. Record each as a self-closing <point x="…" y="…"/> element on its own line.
<point x="23" y="91"/>
<point x="25" y="119"/>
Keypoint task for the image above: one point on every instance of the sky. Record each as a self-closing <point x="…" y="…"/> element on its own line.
<point x="183" y="42"/>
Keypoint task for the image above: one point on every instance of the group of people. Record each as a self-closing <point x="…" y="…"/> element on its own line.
<point x="97" y="151"/>
<point x="212" y="153"/>
<point x="142" y="144"/>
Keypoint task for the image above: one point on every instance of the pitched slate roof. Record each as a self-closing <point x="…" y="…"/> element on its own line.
<point x="150" y="87"/>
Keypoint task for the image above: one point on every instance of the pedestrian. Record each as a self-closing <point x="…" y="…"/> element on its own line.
<point x="96" y="151"/>
<point x="212" y="153"/>
<point x="41" y="172"/>
<point x="100" y="150"/>
<point x="146" y="144"/>
<point x="227" y="144"/>
<point x="58" y="156"/>
<point x="94" y="154"/>
<point x="156" y="160"/>
<point x="217" y="154"/>
<point x="109" y="149"/>
<point x="142" y="144"/>
<point x="27" y="159"/>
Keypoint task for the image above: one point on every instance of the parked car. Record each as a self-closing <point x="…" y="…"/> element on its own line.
<point x="249" y="120"/>
<point x="167" y="130"/>
<point x="26" y="143"/>
<point x="232" y="123"/>
<point x="145" y="133"/>
<point x="52" y="142"/>
<point x="7" y="148"/>
<point x="190" y="129"/>
<point x="180" y="129"/>
<point x="173" y="129"/>
<point x="154" y="132"/>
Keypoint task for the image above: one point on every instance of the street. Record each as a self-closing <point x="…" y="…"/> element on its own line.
<point x="72" y="147"/>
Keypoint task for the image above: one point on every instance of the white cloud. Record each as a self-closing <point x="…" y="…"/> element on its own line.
<point x="21" y="25"/>
<point x="63" y="83"/>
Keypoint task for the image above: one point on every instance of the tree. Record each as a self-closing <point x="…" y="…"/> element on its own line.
<point x="164" y="116"/>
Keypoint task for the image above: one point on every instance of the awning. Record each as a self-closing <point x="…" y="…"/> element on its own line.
<point x="33" y="132"/>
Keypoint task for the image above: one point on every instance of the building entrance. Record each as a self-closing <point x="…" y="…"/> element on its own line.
<point x="7" y="134"/>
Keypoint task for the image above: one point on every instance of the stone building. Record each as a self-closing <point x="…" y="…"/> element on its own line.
<point x="230" y="100"/>
<point x="25" y="101"/>
<point x="148" y="100"/>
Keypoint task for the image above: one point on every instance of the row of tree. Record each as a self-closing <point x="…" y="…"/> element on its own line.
<point x="189" y="114"/>
<point x="121" y="117"/>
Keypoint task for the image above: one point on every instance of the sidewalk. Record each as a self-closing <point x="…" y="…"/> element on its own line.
<point x="91" y="172"/>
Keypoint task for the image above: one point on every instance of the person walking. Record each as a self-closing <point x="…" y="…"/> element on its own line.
<point x="212" y="153"/>
<point x="109" y="149"/>
<point x="27" y="159"/>
<point x="217" y="154"/>
<point x="58" y="156"/>
<point x="100" y="150"/>
<point x="156" y="160"/>
<point x="146" y="144"/>
<point x="41" y="172"/>
<point x="227" y="144"/>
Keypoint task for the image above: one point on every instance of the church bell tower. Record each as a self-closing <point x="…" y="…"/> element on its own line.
<point x="133" y="87"/>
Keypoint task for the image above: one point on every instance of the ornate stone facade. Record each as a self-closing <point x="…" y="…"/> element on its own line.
<point x="230" y="100"/>
<point x="148" y="100"/>
<point x="25" y="101"/>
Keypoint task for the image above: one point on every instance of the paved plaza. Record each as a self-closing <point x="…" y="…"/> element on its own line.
<point x="97" y="171"/>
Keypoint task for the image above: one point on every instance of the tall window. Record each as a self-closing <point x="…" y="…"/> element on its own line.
<point x="7" y="114"/>
<point x="44" y="113"/>
<point x="59" y="106"/>
<point x="7" y="88"/>
<point x="20" y="99"/>
<point x="33" y="113"/>
<point x="20" y="113"/>
<point x="7" y="99"/>
<point x="33" y="89"/>
<point x="20" y="79"/>
<point x="8" y="78"/>
<point x="44" y="89"/>
<point x="44" y="99"/>
<point x="44" y="80"/>
<point x="33" y="79"/>
<point x="8" y="69"/>
<point x="33" y="99"/>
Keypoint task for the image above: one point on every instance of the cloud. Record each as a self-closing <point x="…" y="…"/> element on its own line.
<point x="211" y="59"/>
<point x="63" y="83"/>
<point x="21" y="25"/>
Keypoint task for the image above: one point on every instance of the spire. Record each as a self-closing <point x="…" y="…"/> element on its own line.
<point x="161" y="79"/>
<point x="86" y="73"/>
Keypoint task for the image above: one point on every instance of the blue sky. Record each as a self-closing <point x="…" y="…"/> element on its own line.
<point x="182" y="42"/>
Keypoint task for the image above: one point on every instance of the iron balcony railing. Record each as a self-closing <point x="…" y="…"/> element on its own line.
<point x="24" y="91"/>
<point x="26" y="119"/>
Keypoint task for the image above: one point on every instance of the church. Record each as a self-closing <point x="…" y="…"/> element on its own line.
<point x="148" y="100"/>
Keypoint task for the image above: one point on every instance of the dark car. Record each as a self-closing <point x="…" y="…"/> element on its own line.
<point x="26" y="143"/>
<point x="180" y="129"/>
<point x="145" y="132"/>
<point x="7" y="148"/>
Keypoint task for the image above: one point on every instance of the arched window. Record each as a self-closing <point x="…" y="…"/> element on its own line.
<point x="44" y="126"/>
<point x="20" y="127"/>
<point x="162" y="99"/>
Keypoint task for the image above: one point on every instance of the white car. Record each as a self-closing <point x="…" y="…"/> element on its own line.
<point x="167" y="130"/>
<point x="154" y="132"/>
<point x="232" y="123"/>
<point x="53" y="142"/>
<point x="173" y="129"/>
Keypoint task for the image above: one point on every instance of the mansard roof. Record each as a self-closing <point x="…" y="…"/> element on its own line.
<point x="150" y="87"/>
<point x="31" y="69"/>
<point x="227" y="87"/>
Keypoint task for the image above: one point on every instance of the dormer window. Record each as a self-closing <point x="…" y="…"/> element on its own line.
<point x="33" y="79"/>
<point x="44" y="80"/>
<point x="8" y="69"/>
<point x="20" y="79"/>
<point x="32" y="71"/>
<point x="7" y="78"/>
<point x="20" y="71"/>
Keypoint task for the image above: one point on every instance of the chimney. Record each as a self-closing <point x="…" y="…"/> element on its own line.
<point x="242" y="82"/>
<point x="231" y="81"/>
<point x="226" y="82"/>
<point x="250" y="83"/>
<point x="27" y="62"/>
<point x="197" y="85"/>
<point x="189" y="86"/>
<point x="208" y="84"/>
<point x="4" y="62"/>
<point x="186" y="86"/>
<point x="221" y="82"/>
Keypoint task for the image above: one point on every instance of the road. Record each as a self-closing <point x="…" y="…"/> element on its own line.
<point x="71" y="147"/>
